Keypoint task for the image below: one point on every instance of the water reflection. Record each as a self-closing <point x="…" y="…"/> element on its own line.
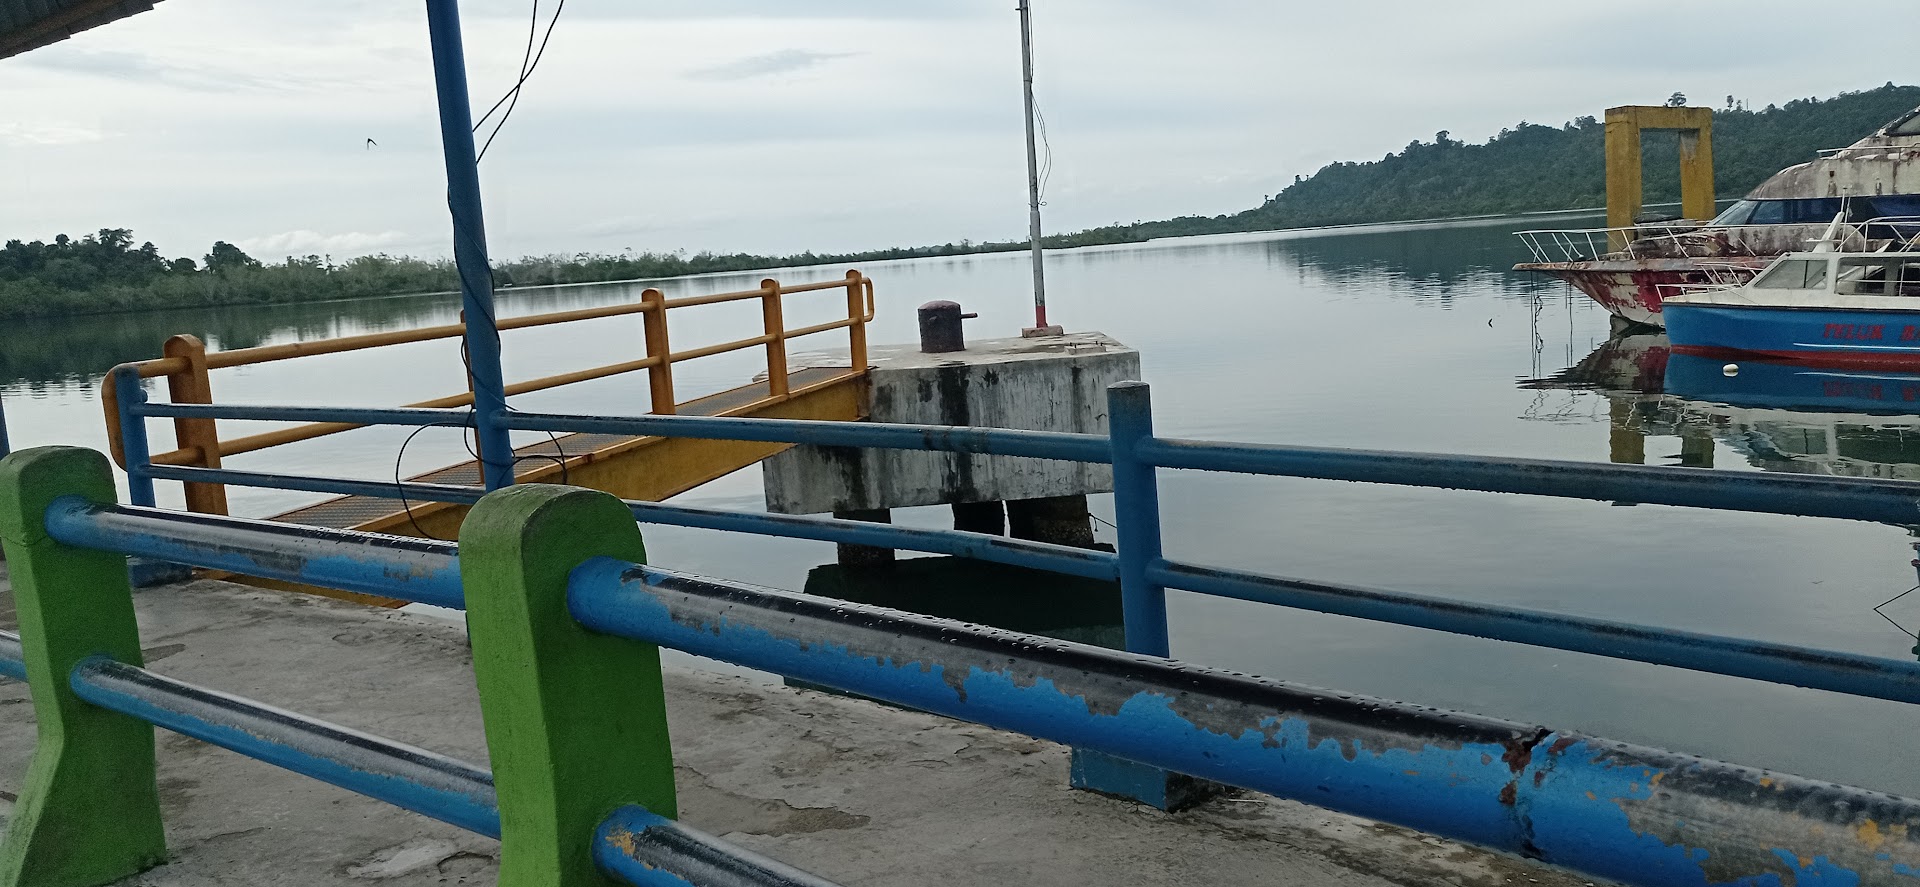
<point x="1778" y="416"/>
<point x="1067" y="608"/>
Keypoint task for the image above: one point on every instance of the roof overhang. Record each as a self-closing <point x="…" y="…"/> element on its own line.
<point x="31" y="24"/>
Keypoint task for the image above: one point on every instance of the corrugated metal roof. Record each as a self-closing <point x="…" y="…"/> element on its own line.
<point x="31" y="24"/>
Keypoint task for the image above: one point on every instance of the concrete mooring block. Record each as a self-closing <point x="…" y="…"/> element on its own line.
<point x="1048" y="384"/>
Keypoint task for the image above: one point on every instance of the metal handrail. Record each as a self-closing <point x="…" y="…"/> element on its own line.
<point x="1550" y="245"/>
<point x="198" y="443"/>
<point x="838" y="644"/>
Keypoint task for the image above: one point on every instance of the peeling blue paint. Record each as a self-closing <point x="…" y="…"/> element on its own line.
<point x="1640" y="815"/>
<point x="389" y="566"/>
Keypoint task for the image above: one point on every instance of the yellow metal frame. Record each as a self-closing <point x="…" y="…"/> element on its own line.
<point x="186" y="365"/>
<point x="1624" y="186"/>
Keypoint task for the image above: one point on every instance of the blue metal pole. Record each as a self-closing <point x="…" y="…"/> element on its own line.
<point x="133" y="435"/>
<point x="430" y="784"/>
<point x="470" y="243"/>
<point x="410" y="569"/>
<point x="1136" y="512"/>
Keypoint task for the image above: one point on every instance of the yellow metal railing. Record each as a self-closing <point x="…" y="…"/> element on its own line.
<point x="186" y="364"/>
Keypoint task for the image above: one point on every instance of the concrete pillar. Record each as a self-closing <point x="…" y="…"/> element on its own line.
<point x="1061" y="520"/>
<point x="981" y="517"/>
<point x="864" y="555"/>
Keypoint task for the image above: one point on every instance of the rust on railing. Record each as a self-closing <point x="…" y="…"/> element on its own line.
<point x="186" y="363"/>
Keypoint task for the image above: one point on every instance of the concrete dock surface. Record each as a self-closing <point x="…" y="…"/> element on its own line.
<point x="851" y="790"/>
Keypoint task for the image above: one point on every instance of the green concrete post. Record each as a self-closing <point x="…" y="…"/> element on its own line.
<point x="89" y="812"/>
<point x="576" y="721"/>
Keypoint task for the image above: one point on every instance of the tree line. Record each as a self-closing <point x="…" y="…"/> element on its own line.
<point x="1526" y="167"/>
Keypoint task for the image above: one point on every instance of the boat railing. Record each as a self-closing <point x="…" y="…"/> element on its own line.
<point x="1646" y="241"/>
<point x="1904" y="231"/>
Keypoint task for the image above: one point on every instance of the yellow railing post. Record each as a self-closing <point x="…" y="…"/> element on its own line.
<point x="201" y="436"/>
<point x="857" y="321"/>
<point x="660" y="375"/>
<point x="776" y="326"/>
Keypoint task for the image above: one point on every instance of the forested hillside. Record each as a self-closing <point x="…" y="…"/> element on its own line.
<point x="1524" y="168"/>
<point x="1533" y="167"/>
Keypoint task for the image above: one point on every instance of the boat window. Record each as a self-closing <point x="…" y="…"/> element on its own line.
<point x="1867" y="277"/>
<point x="1905" y="207"/>
<point x="1806" y="211"/>
<point x="1734" y="215"/>
<point x="1794" y="274"/>
<point x="1768" y="212"/>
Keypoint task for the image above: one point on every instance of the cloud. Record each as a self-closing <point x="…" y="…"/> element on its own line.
<point x="313" y="243"/>
<point x="29" y="135"/>
<point x="782" y="62"/>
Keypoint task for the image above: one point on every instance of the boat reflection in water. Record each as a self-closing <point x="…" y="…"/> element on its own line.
<point x="1780" y="416"/>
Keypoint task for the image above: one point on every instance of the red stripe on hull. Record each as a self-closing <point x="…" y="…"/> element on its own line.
<point x="1886" y="360"/>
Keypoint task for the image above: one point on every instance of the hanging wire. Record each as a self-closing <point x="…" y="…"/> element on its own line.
<point x="529" y="60"/>
<point x="1046" y="148"/>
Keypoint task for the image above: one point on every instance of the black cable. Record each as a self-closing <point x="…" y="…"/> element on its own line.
<point x="400" y="487"/>
<point x="533" y="25"/>
<point x="513" y="95"/>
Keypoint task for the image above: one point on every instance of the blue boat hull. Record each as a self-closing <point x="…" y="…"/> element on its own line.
<point x="1796" y="386"/>
<point x="1820" y="336"/>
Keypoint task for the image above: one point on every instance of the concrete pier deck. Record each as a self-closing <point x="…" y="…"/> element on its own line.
<point x="854" y="791"/>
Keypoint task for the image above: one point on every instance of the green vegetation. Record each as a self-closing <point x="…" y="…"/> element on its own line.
<point x="1525" y="168"/>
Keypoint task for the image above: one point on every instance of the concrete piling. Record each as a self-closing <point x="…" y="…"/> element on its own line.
<point x="864" y="555"/>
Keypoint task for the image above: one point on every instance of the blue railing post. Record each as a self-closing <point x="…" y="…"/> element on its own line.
<point x="134" y="449"/>
<point x="1136" y="512"/>
<point x="470" y="243"/>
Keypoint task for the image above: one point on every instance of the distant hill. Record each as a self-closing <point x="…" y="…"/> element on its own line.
<point x="1525" y="168"/>
<point x="1531" y="167"/>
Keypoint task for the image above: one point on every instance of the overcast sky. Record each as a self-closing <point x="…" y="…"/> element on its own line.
<point x="784" y="125"/>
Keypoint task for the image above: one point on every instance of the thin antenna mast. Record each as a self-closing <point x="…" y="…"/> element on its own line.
<point x="1040" y="327"/>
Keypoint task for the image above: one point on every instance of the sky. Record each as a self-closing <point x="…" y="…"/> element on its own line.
<point x="778" y="126"/>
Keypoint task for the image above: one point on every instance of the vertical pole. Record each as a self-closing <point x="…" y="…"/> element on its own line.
<point x="5" y="445"/>
<point x="1623" y="173"/>
<point x="576" y="722"/>
<point x="1696" y="169"/>
<point x="857" y="314"/>
<point x="776" y="327"/>
<point x="89" y="810"/>
<point x="1033" y="169"/>
<point x="201" y="435"/>
<point x="134" y="449"/>
<point x="1136" y="508"/>
<point x="1136" y="511"/>
<point x="660" y="375"/>
<point x="470" y="242"/>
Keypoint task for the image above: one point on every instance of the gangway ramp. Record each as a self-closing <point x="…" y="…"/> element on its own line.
<point x="644" y="468"/>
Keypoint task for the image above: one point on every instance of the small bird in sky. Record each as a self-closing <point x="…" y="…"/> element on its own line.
<point x="371" y="144"/>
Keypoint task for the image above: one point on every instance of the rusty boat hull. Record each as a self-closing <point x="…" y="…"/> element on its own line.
<point x="1633" y="289"/>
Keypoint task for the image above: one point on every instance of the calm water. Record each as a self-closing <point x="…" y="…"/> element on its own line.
<point x="1411" y="337"/>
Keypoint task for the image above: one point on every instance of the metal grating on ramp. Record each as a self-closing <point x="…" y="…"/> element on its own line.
<point x="350" y="512"/>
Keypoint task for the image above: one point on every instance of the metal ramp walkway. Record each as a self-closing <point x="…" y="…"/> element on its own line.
<point x="649" y="468"/>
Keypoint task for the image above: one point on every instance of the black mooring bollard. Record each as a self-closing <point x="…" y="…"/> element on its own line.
<point x="940" y="327"/>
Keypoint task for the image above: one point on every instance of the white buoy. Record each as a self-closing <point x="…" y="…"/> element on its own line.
<point x="1732" y="369"/>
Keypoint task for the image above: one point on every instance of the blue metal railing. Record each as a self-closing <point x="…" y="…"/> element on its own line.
<point x="1547" y="794"/>
<point x="1144" y="573"/>
<point x="1141" y="568"/>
